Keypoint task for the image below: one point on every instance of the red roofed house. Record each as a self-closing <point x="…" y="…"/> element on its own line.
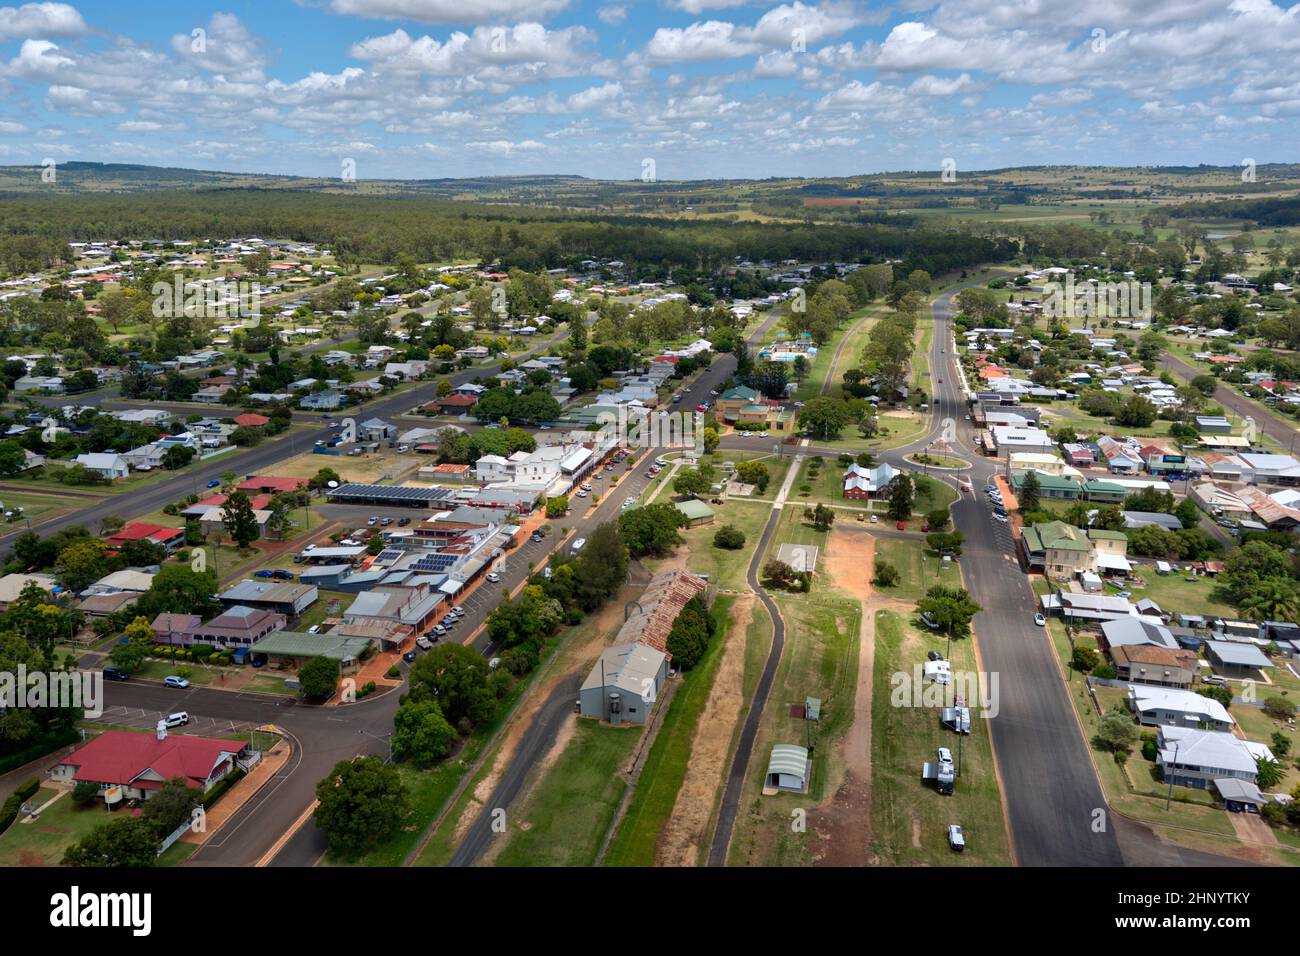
<point x="252" y="420"/>
<point x="455" y="404"/>
<point x="130" y="766"/>
<point x="267" y="484"/>
<point x="169" y="538"/>
<point x="201" y="507"/>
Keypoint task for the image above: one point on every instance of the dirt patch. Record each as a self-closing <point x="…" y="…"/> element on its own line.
<point x="686" y="828"/>
<point x="896" y="413"/>
<point x="843" y="825"/>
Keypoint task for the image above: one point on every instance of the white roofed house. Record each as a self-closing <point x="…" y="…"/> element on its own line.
<point x="108" y="464"/>
<point x="1190" y="757"/>
<point x="1173" y="707"/>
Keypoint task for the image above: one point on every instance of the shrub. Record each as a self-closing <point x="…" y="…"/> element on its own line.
<point x="84" y="792"/>
<point x="394" y="671"/>
<point x="729" y="537"/>
<point x="27" y="789"/>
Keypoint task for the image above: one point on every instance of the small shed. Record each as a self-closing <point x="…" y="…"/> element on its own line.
<point x="812" y="708"/>
<point x="697" y="512"/>
<point x="787" y="768"/>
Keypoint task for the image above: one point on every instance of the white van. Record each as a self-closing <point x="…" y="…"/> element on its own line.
<point x="577" y="545"/>
<point x="178" y="719"/>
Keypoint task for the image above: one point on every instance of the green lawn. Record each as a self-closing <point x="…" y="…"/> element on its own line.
<point x="1174" y="594"/>
<point x="910" y="818"/>
<point x="726" y="569"/>
<point x="565" y="818"/>
<point x="820" y="660"/>
<point x="915" y="574"/>
<point x="42" y="842"/>
<point x="665" y="765"/>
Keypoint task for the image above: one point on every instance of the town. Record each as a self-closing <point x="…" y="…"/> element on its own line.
<point x="471" y="511"/>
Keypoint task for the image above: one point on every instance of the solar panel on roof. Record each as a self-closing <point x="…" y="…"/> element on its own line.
<point x="434" y="563"/>
<point x="388" y="554"/>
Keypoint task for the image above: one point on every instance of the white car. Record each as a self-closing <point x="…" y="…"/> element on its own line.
<point x="178" y="719"/>
<point x="956" y="839"/>
<point x="423" y="643"/>
<point x="1000" y="519"/>
<point x="314" y="629"/>
<point x="875" y="519"/>
<point x="1040" y="620"/>
<point x="458" y="610"/>
<point x="945" y="755"/>
<point x="493" y="577"/>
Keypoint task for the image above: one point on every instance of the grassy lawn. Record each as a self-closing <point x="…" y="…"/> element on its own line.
<point x="565" y="818"/>
<point x="1174" y="594"/>
<point x="665" y="765"/>
<point x="726" y="569"/>
<point x="820" y="660"/>
<point x="39" y="507"/>
<point x="909" y="817"/>
<point x="42" y="842"/>
<point x="915" y="575"/>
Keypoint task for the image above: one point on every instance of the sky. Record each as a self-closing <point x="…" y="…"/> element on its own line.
<point x="634" y="89"/>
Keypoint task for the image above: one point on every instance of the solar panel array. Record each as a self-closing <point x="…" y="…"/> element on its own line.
<point x="388" y="555"/>
<point x="435" y="563"/>
<point x="388" y="494"/>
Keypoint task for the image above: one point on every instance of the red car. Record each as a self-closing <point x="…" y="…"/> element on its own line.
<point x="701" y="408"/>
<point x="902" y="526"/>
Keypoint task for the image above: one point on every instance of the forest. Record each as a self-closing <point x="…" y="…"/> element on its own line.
<point x="368" y="229"/>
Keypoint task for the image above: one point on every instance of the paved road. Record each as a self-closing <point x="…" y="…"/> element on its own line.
<point x="735" y="784"/>
<point x="252" y="461"/>
<point x="1281" y="430"/>
<point x="546" y="724"/>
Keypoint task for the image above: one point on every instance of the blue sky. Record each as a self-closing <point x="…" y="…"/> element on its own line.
<point x="700" y="88"/>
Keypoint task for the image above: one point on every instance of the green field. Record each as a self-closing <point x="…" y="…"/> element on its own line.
<point x="567" y="815"/>
<point x="918" y="567"/>
<point x="910" y="818"/>
<point x="820" y="660"/>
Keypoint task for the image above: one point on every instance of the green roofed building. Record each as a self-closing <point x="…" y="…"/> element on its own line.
<point x="1058" y="548"/>
<point x="298" y="645"/>
<point x="697" y="512"/>
<point x="1104" y="492"/>
<point x="1049" y="486"/>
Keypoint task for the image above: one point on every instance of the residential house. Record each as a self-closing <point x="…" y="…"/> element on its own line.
<point x="170" y="538"/>
<point x="1190" y="757"/>
<point x="1173" y="707"/>
<point x="1161" y="666"/>
<point x="134" y="766"/>
<point x="235" y="627"/>
<point x="111" y="466"/>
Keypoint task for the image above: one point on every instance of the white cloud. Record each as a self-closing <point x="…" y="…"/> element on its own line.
<point x="39" y="20"/>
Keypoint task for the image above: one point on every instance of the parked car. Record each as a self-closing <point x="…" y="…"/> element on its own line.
<point x="314" y="629"/>
<point x="945" y="755"/>
<point x="178" y="719"/>
<point x="280" y="574"/>
<point x="115" y="673"/>
<point x="385" y="522"/>
<point x="874" y="519"/>
<point x="410" y="657"/>
<point x="440" y="630"/>
<point x="956" y="839"/>
<point x="1040" y="620"/>
<point x="537" y="536"/>
<point x="423" y="643"/>
<point x="493" y="577"/>
<point x="215" y="482"/>
<point x="902" y="526"/>
<point x="458" y="610"/>
<point x="171" y="680"/>
<point x="1001" y="518"/>
<point x="577" y="545"/>
<point x="403" y="522"/>
<point x="262" y="574"/>
<point x="372" y="521"/>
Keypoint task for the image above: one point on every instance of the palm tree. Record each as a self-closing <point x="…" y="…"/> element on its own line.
<point x="1272" y="599"/>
